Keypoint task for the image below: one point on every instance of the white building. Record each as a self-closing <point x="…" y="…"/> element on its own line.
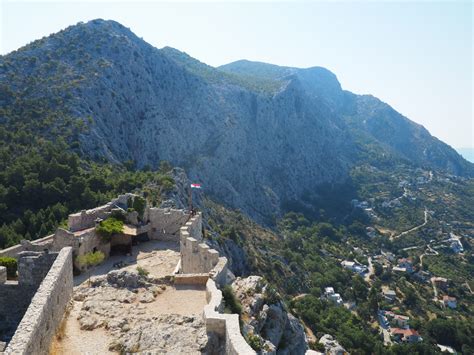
<point x="332" y="296"/>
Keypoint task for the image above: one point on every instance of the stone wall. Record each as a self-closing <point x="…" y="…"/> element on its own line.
<point x="166" y="222"/>
<point x="200" y="263"/>
<point x="44" y="315"/>
<point x="81" y="242"/>
<point x="15" y="296"/>
<point x="33" y="267"/>
<point x="14" y="301"/>
<point x="86" y="218"/>
<point x="225" y="326"/>
<point x="26" y="245"/>
<point x="196" y="256"/>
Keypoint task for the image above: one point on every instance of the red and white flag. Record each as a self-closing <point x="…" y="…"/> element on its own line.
<point x="195" y="186"/>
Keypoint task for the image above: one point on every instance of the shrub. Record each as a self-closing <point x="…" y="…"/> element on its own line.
<point x="232" y="304"/>
<point x="90" y="259"/>
<point x="11" y="265"/>
<point x="255" y="342"/>
<point x="142" y="271"/>
<point x="108" y="227"/>
<point x="271" y="295"/>
<point x="138" y="205"/>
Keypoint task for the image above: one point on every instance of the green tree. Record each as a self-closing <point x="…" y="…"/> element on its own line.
<point x="89" y="260"/>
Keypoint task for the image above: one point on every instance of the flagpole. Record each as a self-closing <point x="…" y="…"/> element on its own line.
<point x="191" y="199"/>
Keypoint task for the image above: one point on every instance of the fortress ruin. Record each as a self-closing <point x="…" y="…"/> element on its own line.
<point x="32" y="308"/>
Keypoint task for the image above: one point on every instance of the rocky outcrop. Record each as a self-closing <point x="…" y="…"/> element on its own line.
<point x="119" y="301"/>
<point x="266" y="319"/>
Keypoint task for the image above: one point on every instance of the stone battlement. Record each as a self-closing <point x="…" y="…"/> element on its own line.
<point x="196" y="256"/>
<point x="225" y="326"/>
<point x="44" y="314"/>
<point x="15" y="296"/>
<point x="200" y="264"/>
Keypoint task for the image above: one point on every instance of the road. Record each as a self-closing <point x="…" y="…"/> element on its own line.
<point x="371" y="271"/>
<point x="430" y="251"/>
<point x="384" y="328"/>
<point x="414" y="228"/>
<point x="435" y="290"/>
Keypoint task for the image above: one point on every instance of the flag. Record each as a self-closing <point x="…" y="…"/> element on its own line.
<point x="195" y="186"/>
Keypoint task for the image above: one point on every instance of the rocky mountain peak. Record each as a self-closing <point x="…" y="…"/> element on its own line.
<point x="258" y="135"/>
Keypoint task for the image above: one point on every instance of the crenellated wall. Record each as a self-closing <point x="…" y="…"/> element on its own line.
<point x="200" y="264"/>
<point x="44" y="314"/>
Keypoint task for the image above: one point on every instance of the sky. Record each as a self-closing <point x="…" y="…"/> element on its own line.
<point x="416" y="56"/>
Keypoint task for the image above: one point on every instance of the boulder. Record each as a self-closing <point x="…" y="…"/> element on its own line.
<point x="123" y="278"/>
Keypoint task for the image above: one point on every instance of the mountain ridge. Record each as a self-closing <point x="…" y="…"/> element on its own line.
<point x="254" y="142"/>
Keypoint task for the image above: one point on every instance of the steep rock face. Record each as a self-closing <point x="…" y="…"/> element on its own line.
<point x="267" y="320"/>
<point x="256" y="135"/>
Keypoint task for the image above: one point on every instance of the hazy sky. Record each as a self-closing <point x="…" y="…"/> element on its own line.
<point x="417" y="57"/>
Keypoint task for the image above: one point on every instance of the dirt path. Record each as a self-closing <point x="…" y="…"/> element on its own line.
<point x="414" y="228"/>
<point x="371" y="271"/>
<point x="435" y="290"/>
<point x="75" y="341"/>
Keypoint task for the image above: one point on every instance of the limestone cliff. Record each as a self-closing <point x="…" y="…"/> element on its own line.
<point x="268" y="325"/>
<point x="255" y="135"/>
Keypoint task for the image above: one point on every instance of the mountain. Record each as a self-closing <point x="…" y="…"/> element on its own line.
<point x="467" y="153"/>
<point x="257" y="136"/>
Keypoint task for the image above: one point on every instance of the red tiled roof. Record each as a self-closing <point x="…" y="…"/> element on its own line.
<point x="404" y="332"/>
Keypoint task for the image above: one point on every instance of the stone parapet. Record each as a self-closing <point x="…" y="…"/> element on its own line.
<point x="86" y="218"/>
<point x="226" y="326"/>
<point x="191" y="279"/>
<point x="44" y="315"/>
<point x="26" y="245"/>
<point x="33" y="267"/>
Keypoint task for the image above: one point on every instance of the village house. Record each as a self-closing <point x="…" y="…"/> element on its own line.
<point x="449" y="301"/>
<point x="440" y="282"/>
<point x="422" y="276"/>
<point x="333" y="297"/>
<point x="352" y="266"/>
<point x="397" y="320"/>
<point x="389" y="295"/>
<point x="406" y="263"/>
<point x="405" y="335"/>
<point x="389" y="256"/>
<point x="371" y="232"/>
<point x="456" y="246"/>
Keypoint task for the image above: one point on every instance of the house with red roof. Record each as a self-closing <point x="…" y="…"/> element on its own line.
<point x="405" y="335"/>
